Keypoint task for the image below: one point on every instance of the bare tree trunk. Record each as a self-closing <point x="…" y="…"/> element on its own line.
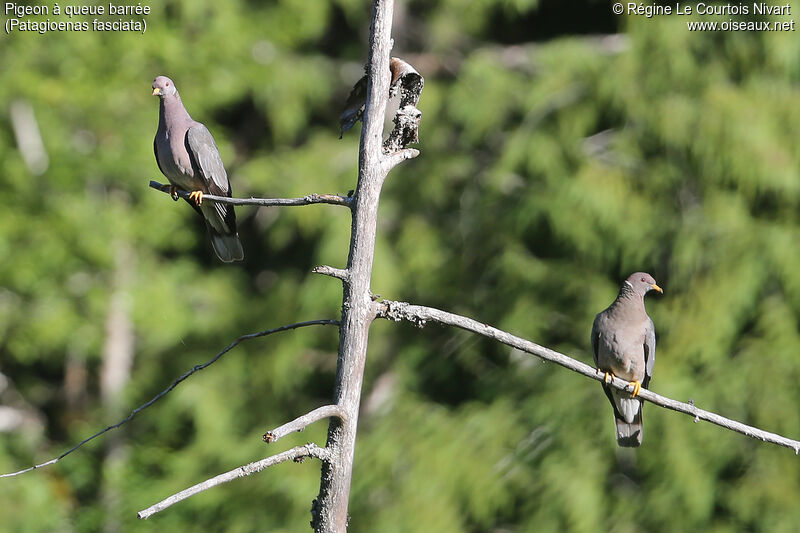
<point x="115" y="373"/>
<point x="329" y="511"/>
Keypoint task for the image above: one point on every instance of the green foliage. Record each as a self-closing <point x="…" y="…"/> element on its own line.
<point x="548" y="172"/>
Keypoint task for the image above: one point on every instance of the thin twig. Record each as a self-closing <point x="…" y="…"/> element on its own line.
<point x="333" y="199"/>
<point x="175" y="383"/>
<point x="296" y="454"/>
<point x="301" y="422"/>
<point x="420" y="315"/>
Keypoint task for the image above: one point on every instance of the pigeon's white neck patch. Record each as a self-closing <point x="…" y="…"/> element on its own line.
<point x="628" y="283"/>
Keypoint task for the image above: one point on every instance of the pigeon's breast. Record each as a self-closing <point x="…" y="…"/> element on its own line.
<point x="174" y="160"/>
<point x="621" y="351"/>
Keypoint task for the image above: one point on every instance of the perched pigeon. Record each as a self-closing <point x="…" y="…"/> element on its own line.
<point x="188" y="156"/>
<point x="624" y="345"/>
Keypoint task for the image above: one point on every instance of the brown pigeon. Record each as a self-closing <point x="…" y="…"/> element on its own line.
<point x="188" y="156"/>
<point x="624" y="345"/>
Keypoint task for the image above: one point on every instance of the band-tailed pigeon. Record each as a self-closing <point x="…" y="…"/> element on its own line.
<point x="188" y="156"/>
<point x="624" y="345"/>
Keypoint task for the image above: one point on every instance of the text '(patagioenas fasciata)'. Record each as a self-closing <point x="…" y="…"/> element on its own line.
<point x="188" y="156"/>
<point x="624" y="345"/>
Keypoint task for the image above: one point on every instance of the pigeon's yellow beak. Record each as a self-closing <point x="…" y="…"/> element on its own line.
<point x="656" y="287"/>
<point x="156" y="91"/>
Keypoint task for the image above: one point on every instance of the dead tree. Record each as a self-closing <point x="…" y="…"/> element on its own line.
<point x="385" y="77"/>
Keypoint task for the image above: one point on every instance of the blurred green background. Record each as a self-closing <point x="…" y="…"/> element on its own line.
<point x="562" y="148"/>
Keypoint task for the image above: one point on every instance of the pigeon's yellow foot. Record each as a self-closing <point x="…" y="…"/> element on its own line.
<point x="608" y="377"/>
<point x="636" y="388"/>
<point x="173" y="192"/>
<point x="197" y="196"/>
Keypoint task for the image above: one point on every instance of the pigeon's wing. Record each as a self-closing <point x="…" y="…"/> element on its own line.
<point x="155" y="151"/>
<point x="205" y="156"/>
<point x="649" y="352"/>
<point x="595" y="347"/>
<point x="595" y="338"/>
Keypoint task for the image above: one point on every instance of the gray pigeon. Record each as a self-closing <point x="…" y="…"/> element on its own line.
<point x="624" y="345"/>
<point x="188" y="156"/>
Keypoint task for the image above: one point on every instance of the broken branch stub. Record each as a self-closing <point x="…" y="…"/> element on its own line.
<point x="405" y="81"/>
<point x="409" y="83"/>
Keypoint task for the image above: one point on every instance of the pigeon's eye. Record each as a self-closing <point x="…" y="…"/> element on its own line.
<point x="644" y="280"/>
<point x="167" y="84"/>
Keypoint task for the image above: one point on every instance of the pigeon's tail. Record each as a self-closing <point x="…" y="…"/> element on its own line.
<point x="221" y="223"/>
<point x="227" y="246"/>
<point x="629" y="435"/>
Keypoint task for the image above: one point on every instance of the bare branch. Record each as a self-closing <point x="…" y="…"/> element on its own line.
<point x="175" y="383"/>
<point x="29" y="136"/>
<point x="333" y="199"/>
<point x="326" y="270"/>
<point x="295" y="454"/>
<point x="300" y="423"/>
<point x="420" y="315"/>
